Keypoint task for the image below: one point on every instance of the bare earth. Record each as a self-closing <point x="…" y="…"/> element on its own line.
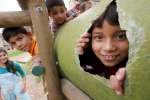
<point x="35" y="88"/>
<point x="34" y="84"/>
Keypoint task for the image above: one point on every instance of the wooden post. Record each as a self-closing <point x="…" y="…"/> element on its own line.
<point x="43" y="34"/>
<point x="15" y="18"/>
<point x="72" y="92"/>
<point x="23" y="4"/>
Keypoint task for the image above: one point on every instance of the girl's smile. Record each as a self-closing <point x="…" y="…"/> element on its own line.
<point x="109" y="44"/>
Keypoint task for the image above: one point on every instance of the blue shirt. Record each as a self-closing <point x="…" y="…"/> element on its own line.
<point x="19" y="70"/>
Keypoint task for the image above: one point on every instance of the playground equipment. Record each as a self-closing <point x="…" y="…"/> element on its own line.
<point x="134" y="16"/>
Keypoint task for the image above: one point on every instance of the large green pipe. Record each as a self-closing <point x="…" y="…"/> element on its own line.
<point x="135" y="17"/>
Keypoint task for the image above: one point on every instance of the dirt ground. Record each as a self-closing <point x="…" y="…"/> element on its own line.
<point x="34" y="84"/>
<point x="35" y="88"/>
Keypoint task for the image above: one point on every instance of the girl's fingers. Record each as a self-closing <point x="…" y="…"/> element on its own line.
<point x="120" y="74"/>
<point x="85" y="35"/>
<point x="80" y="51"/>
<point x="83" y="39"/>
<point x="113" y="83"/>
<point x="116" y="85"/>
<point x="82" y="43"/>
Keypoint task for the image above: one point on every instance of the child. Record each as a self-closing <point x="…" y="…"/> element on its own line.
<point x="58" y="13"/>
<point x="8" y="68"/>
<point x="22" y="40"/>
<point x="85" y="5"/>
<point x="104" y="49"/>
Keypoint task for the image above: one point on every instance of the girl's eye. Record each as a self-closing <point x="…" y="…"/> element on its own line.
<point x="62" y="11"/>
<point x="54" y="13"/>
<point x="19" y="38"/>
<point x="12" y="43"/>
<point x="121" y="35"/>
<point x="97" y="37"/>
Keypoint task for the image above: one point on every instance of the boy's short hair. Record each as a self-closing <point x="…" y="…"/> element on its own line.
<point x="12" y="31"/>
<point x="52" y="3"/>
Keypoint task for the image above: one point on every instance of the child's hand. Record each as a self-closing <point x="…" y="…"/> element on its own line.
<point x="117" y="81"/>
<point x="36" y="61"/>
<point x="82" y="43"/>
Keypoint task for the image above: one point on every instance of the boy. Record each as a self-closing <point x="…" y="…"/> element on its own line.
<point x="58" y="13"/>
<point x="22" y="40"/>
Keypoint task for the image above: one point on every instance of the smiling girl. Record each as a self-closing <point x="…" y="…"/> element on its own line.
<point x="10" y="86"/>
<point x="104" y="49"/>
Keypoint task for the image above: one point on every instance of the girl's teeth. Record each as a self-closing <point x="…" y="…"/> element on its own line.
<point x="109" y="57"/>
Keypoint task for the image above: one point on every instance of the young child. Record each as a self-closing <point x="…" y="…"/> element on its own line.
<point x="85" y="5"/>
<point x="58" y="13"/>
<point x="6" y="67"/>
<point x="104" y="49"/>
<point x="22" y="40"/>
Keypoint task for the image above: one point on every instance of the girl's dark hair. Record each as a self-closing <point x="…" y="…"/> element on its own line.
<point x="9" y="64"/>
<point x="110" y="15"/>
<point x="12" y="31"/>
<point x="89" y="58"/>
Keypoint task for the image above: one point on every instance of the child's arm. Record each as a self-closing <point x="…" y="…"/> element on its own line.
<point x="20" y="70"/>
<point x="82" y="43"/>
<point x="24" y="85"/>
<point x="23" y="75"/>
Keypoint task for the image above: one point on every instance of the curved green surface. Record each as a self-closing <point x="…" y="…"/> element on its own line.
<point x="135" y="17"/>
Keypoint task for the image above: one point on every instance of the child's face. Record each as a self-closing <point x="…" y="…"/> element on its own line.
<point x="58" y="14"/>
<point x="87" y="6"/>
<point x="3" y="57"/>
<point x="110" y="44"/>
<point x="21" y="42"/>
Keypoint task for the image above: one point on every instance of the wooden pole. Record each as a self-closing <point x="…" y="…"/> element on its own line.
<point x="23" y="4"/>
<point x="72" y="92"/>
<point x="15" y="18"/>
<point x="43" y="34"/>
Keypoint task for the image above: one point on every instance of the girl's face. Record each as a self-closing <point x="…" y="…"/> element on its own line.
<point x="3" y="57"/>
<point x="109" y="44"/>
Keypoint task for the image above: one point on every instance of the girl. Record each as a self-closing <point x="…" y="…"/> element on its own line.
<point x="104" y="49"/>
<point x="9" y="79"/>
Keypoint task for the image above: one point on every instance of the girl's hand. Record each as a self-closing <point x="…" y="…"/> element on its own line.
<point x="117" y="81"/>
<point x="82" y="43"/>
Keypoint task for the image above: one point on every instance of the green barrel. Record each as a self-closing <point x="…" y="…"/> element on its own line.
<point x="134" y="15"/>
